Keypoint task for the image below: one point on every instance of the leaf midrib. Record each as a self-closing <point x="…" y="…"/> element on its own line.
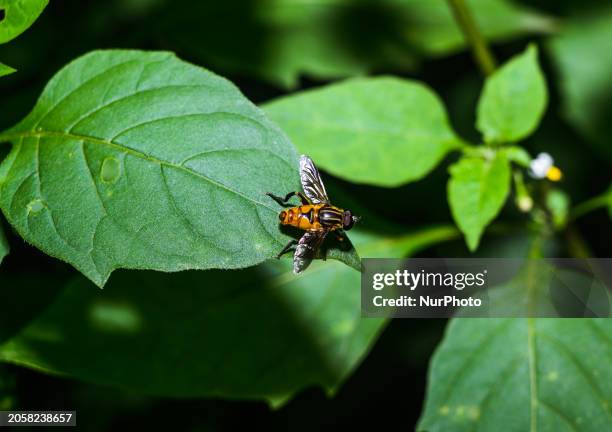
<point x="129" y="150"/>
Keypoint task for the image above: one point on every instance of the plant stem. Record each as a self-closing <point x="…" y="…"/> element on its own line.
<point x="480" y="49"/>
<point x="590" y="205"/>
<point x="536" y="250"/>
<point x="576" y="244"/>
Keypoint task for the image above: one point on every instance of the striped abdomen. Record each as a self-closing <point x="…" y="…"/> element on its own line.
<point x="312" y="217"/>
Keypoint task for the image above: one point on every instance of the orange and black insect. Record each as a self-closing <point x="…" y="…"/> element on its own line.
<point x="316" y="216"/>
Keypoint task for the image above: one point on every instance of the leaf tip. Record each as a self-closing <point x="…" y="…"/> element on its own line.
<point x="6" y="70"/>
<point x="532" y="49"/>
<point x="472" y="243"/>
<point x="276" y="402"/>
<point x="98" y="279"/>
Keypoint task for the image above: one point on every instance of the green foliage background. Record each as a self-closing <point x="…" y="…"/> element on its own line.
<point x="136" y="159"/>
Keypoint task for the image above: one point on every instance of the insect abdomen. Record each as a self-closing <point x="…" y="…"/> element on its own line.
<point x="304" y="217"/>
<point x="330" y="217"/>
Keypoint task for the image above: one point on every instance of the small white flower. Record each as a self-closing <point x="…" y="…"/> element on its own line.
<point x="538" y="168"/>
<point x="543" y="167"/>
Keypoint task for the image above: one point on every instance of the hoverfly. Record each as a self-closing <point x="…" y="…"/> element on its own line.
<point x="316" y="216"/>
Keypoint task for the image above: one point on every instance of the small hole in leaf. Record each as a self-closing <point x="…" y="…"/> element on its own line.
<point x="2" y="15"/>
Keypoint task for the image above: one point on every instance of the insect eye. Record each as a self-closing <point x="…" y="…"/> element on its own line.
<point x="347" y="220"/>
<point x="281" y="216"/>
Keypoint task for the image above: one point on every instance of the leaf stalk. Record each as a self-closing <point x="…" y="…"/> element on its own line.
<point x="480" y="49"/>
<point x="592" y="204"/>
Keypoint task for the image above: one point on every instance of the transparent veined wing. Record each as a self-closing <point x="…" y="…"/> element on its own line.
<point x="311" y="181"/>
<point x="306" y="249"/>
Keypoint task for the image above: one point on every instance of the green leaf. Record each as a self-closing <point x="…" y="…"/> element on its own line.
<point x="477" y="190"/>
<point x="23" y="299"/>
<point x="256" y="333"/>
<point x="534" y="368"/>
<point x="383" y="131"/>
<point x="6" y="70"/>
<point x="524" y="374"/>
<point x="583" y="58"/>
<point x="281" y="40"/>
<point x="513" y="100"/>
<point x="518" y="155"/>
<point x="610" y="201"/>
<point x="18" y="16"/>
<point x="4" y="246"/>
<point x="136" y="159"/>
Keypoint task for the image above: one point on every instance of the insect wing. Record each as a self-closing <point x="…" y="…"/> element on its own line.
<point x="307" y="249"/>
<point x="311" y="181"/>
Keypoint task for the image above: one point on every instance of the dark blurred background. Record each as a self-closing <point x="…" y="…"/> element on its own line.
<point x="268" y="54"/>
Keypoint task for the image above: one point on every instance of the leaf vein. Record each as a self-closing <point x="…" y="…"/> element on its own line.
<point x="137" y="154"/>
<point x="470" y="358"/>
<point x="88" y="115"/>
<point x="77" y="88"/>
<point x="592" y="381"/>
<point x="181" y="215"/>
<point x="501" y="379"/>
<point x="41" y="196"/>
<point x="567" y="420"/>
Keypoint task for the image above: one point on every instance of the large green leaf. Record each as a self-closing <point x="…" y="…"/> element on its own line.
<point x="584" y="59"/>
<point x="477" y="190"/>
<point x="18" y="16"/>
<point x="257" y="333"/>
<point x="521" y="375"/>
<point x="513" y="100"/>
<point x="136" y="159"/>
<point x="383" y="131"/>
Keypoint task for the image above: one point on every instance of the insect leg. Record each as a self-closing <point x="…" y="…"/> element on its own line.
<point x="278" y="199"/>
<point x="340" y="235"/>
<point x="284" y="201"/>
<point x="303" y="198"/>
<point x="287" y="248"/>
